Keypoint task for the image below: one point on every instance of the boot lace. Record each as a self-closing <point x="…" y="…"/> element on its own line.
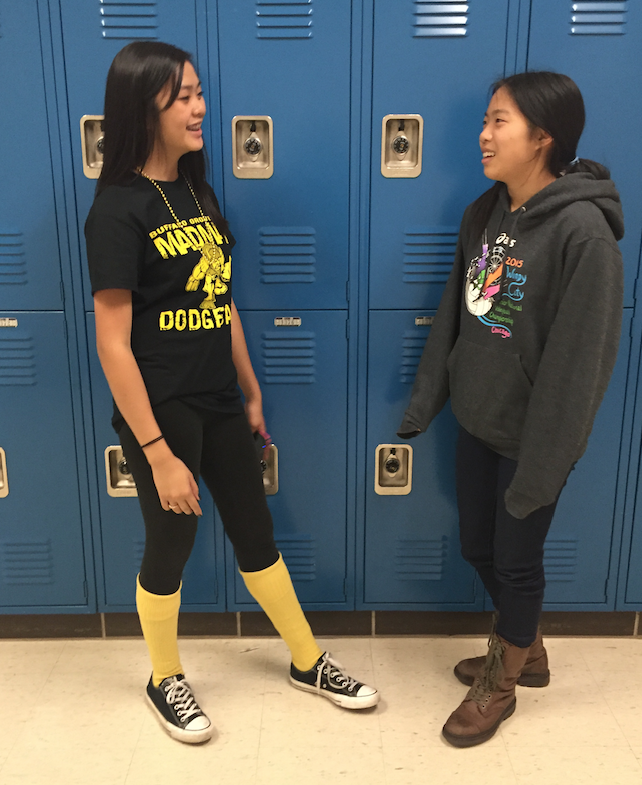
<point x="180" y="696"/>
<point x="335" y="675"/>
<point x="486" y="682"/>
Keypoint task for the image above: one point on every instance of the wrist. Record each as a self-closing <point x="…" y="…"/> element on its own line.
<point x="157" y="453"/>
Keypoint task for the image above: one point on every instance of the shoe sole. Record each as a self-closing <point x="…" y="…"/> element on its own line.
<point x="365" y="702"/>
<point x="525" y="680"/>
<point x="186" y="736"/>
<point x="478" y="738"/>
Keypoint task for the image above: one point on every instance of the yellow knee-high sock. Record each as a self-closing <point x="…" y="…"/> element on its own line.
<point x="272" y="589"/>
<point x="158" y="614"/>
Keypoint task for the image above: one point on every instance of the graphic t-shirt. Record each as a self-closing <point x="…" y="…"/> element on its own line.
<point x="180" y="278"/>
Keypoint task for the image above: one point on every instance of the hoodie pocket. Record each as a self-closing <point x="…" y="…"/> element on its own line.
<point x="489" y="393"/>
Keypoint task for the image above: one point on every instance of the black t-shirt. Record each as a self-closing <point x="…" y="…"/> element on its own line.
<point x="180" y="279"/>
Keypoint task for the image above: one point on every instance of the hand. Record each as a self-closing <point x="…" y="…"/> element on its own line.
<point x="175" y="483"/>
<point x="254" y="414"/>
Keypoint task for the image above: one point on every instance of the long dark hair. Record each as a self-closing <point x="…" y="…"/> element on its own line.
<point x="554" y="103"/>
<point x="136" y="76"/>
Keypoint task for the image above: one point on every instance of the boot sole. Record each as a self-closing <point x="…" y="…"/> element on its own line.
<point x="478" y="738"/>
<point x="365" y="702"/>
<point x="525" y="680"/>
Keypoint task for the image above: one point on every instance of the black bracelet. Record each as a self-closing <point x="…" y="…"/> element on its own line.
<point x="153" y="441"/>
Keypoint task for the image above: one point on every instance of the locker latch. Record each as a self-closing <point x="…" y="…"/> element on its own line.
<point x="92" y="142"/>
<point x="393" y="469"/>
<point x="401" y="145"/>
<point x="4" y="481"/>
<point x="119" y="477"/>
<point x="252" y="147"/>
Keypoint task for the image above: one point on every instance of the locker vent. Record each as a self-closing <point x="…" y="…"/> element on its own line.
<point x="13" y="267"/>
<point x="420" y="560"/>
<point x="299" y="553"/>
<point x="560" y="560"/>
<point x="125" y="20"/>
<point x="607" y="17"/>
<point x="287" y="254"/>
<point x="412" y="348"/>
<point x="288" y="356"/>
<point x="440" y="19"/>
<point x="284" y="19"/>
<point x="17" y="360"/>
<point x="26" y="563"/>
<point x="428" y="253"/>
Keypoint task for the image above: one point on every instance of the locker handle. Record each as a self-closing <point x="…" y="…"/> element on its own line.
<point x="4" y="481"/>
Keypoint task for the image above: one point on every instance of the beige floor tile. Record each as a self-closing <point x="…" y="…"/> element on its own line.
<point x="586" y="765"/>
<point x="611" y="655"/>
<point x="487" y="764"/>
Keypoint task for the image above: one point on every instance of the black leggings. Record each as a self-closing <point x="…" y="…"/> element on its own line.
<point x="220" y="448"/>
<point x="508" y="553"/>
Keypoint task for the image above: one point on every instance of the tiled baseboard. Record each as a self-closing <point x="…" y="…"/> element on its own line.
<point x="323" y="623"/>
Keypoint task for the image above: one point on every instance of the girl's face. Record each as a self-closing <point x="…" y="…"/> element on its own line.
<point x="179" y="129"/>
<point x="512" y="150"/>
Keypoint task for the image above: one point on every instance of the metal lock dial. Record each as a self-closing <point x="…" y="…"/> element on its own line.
<point x="401" y="145"/>
<point x="253" y="145"/>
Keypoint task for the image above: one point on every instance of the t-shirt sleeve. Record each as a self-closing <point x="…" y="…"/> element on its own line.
<point x="115" y="247"/>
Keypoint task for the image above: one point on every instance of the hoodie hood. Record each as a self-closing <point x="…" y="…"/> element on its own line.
<point x="570" y="188"/>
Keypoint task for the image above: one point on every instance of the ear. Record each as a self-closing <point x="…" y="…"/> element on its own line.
<point x="543" y="138"/>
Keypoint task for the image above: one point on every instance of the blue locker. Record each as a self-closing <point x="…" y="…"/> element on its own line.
<point x="30" y="276"/>
<point x="598" y="45"/>
<point x="302" y="370"/>
<point x="42" y="566"/>
<point x="93" y="33"/>
<point x="412" y="557"/>
<point x="422" y="65"/>
<point x="123" y="533"/>
<point x="632" y="566"/>
<point x="289" y="61"/>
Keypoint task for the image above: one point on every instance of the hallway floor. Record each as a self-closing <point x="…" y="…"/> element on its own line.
<point x="74" y="713"/>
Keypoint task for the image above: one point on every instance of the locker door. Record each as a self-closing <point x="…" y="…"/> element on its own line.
<point x="41" y="540"/>
<point x="93" y="33"/>
<point x="30" y="276"/>
<point x="412" y="556"/>
<point x="578" y="555"/>
<point x="302" y="370"/>
<point x="598" y="45"/>
<point x="289" y="61"/>
<point x="440" y="66"/>
<point x="123" y="533"/>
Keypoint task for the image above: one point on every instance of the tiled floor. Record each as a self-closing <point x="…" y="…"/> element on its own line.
<point x="73" y="712"/>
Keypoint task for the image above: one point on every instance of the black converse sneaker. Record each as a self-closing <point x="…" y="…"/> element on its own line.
<point x="328" y="679"/>
<point x="175" y="707"/>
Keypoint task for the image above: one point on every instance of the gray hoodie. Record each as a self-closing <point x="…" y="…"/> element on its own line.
<point x="527" y="333"/>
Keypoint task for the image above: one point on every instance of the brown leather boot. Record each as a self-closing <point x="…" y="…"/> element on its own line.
<point x="491" y="699"/>
<point x="534" y="674"/>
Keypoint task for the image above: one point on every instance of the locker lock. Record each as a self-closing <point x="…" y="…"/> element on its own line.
<point x="401" y="145"/>
<point x="253" y="146"/>
<point x="123" y="468"/>
<point x="100" y="145"/>
<point x="392" y="463"/>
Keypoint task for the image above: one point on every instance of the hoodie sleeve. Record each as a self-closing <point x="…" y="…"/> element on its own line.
<point x="573" y="375"/>
<point x="430" y="390"/>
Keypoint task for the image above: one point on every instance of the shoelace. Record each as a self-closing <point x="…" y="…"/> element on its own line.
<point x="180" y="696"/>
<point x="490" y="673"/>
<point x="334" y="671"/>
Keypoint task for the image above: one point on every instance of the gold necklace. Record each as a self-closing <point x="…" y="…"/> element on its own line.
<point x="165" y="199"/>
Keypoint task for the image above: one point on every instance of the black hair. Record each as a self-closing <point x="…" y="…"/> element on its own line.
<point x="136" y="76"/>
<point x="553" y="103"/>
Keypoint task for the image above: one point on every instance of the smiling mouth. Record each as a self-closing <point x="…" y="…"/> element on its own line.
<point x="488" y="155"/>
<point x="196" y="127"/>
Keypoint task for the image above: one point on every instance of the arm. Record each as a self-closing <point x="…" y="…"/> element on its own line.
<point x="174" y="481"/>
<point x="572" y="377"/>
<point x="247" y="378"/>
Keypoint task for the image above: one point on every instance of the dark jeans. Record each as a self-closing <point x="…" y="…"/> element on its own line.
<point x="219" y="448"/>
<point x="508" y="553"/>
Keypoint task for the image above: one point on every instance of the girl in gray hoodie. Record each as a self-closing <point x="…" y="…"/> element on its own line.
<point x="524" y="344"/>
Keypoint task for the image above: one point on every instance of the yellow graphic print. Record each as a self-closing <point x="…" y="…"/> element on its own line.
<point x="215" y="273"/>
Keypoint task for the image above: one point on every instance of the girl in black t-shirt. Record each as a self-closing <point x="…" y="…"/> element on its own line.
<point x="171" y="345"/>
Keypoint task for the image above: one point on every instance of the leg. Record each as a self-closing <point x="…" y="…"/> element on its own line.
<point x="230" y="467"/>
<point x="476" y="474"/>
<point x="168" y="543"/>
